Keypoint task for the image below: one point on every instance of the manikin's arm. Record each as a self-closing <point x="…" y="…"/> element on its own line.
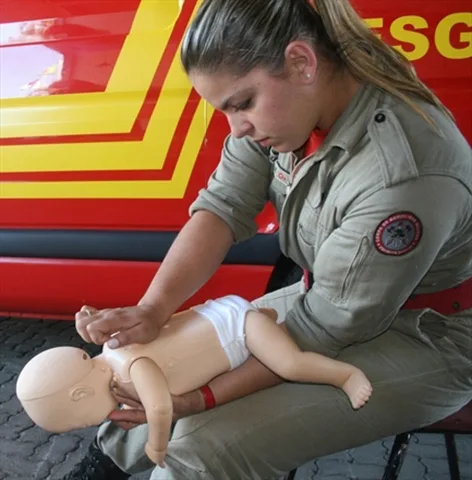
<point x="153" y="391"/>
<point x="272" y="345"/>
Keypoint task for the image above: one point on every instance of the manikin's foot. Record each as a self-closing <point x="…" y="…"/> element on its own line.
<point x="358" y="389"/>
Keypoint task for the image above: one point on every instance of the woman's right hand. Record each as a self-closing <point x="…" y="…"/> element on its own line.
<point x="120" y="326"/>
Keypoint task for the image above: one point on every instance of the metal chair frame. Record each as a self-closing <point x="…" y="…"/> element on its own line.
<point x="458" y="424"/>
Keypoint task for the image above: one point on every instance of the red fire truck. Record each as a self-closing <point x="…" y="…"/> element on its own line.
<point x="104" y="144"/>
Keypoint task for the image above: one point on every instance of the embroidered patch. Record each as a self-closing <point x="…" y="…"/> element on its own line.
<point x="398" y="234"/>
<point x="281" y="174"/>
<point x="283" y="177"/>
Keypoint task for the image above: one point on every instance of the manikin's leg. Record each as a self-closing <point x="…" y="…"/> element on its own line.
<point x="271" y="344"/>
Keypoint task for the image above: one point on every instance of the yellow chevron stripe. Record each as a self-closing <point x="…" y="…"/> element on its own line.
<point x="164" y="189"/>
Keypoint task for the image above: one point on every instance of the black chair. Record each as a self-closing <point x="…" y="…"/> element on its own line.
<point x="459" y="423"/>
<point x="291" y="475"/>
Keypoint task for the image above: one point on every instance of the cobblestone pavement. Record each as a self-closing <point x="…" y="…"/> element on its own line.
<point x="27" y="452"/>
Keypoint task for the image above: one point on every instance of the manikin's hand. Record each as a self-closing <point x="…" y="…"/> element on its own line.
<point x="133" y="415"/>
<point x="156" y="456"/>
<point x="137" y="324"/>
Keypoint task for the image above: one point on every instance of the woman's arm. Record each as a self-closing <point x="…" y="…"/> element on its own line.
<point x="250" y="377"/>
<point x="193" y="258"/>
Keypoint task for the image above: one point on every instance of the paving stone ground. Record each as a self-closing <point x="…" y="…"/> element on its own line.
<point x="27" y="452"/>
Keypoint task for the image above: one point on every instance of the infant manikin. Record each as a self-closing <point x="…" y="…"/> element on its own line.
<point x="63" y="389"/>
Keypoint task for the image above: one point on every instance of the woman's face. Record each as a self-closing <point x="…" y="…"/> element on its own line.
<point x="276" y="111"/>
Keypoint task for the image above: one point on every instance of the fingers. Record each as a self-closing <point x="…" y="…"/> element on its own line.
<point x="101" y="325"/>
<point x="83" y="318"/>
<point x="88" y="310"/>
<point x="138" y="333"/>
<point x="128" y="417"/>
<point x="116" y="327"/>
<point x="127" y="401"/>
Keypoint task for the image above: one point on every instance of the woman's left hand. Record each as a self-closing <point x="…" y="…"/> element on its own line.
<point x="131" y="415"/>
<point x="134" y="414"/>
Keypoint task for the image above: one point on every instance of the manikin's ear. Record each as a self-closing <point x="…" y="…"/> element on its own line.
<point x="270" y="312"/>
<point x="80" y="392"/>
<point x="301" y="60"/>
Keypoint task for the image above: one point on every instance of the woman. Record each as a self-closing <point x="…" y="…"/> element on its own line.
<point x="372" y="181"/>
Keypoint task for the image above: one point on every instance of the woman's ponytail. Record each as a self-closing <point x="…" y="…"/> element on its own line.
<point x="240" y="35"/>
<point x="368" y="58"/>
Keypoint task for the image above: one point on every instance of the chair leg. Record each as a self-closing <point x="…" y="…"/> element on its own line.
<point x="397" y="455"/>
<point x="291" y="474"/>
<point x="452" y="459"/>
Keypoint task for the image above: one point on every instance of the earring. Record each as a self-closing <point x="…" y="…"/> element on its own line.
<point x="308" y="75"/>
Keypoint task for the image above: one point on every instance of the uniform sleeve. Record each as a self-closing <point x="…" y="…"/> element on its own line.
<point x="238" y="189"/>
<point x="371" y="264"/>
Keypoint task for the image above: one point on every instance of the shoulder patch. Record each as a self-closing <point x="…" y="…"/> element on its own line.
<point x="398" y="234"/>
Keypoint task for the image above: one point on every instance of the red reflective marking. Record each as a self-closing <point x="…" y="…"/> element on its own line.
<point x="61" y="287"/>
<point x="147" y="109"/>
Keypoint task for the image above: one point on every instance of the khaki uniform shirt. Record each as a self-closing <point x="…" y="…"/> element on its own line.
<point x="381" y="210"/>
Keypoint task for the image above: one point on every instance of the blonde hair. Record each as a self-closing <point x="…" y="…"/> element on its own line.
<point x="239" y="35"/>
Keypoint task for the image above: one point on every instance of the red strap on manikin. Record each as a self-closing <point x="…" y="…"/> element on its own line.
<point x="445" y="302"/>
<point x="208" y="397"/>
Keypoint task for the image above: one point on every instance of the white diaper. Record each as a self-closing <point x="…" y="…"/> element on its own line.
<point x="228" y="315"/>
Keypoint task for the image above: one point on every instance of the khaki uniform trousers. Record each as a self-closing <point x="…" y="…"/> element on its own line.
<point x="421" y="371"/>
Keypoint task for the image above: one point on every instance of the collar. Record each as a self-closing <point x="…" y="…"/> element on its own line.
<point x="353" y="122"/>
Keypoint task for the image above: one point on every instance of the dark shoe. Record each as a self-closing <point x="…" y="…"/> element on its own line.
<point x="96" y="466"/>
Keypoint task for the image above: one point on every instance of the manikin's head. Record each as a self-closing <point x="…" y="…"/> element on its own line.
<point x="63" y="389"/>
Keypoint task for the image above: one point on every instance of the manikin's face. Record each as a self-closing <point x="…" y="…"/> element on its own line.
<point x="91" y="400"/>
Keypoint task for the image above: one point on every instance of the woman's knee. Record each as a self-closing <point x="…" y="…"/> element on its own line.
<point x="213" y="445"/>
<point x="125" y="447"/>
<point x="281" y="300"/>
